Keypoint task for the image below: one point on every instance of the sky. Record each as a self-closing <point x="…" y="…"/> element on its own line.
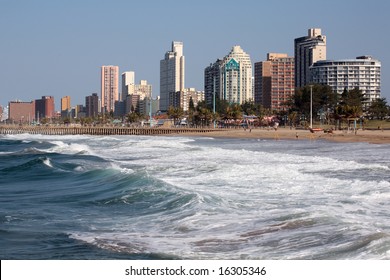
<point x="56" y="47"/>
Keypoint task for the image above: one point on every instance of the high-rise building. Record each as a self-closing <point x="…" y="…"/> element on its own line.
<point x="44" y="107"/>
<point x="182" y="98"/>
<point x="274" y="81"/>
<point x="308" y="50"/>
<point x="229" y="79"/>
<point x="79" y="111"/>
<point x="143" y="89"/>
<point x="132" y="103"/>
<point x="128" y="82"/>
<point x="212" y="82"/>
<point x="171" y="74"/>
<point x="363" y="73"/>
<point x="236" y="77"/>
<point x="92" y="105"/>
<point x="109" y="87"/>
<point x="21" y="112"/>
<point x="65" y="106"/>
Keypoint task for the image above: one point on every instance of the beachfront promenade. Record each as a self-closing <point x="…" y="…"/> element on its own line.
<point x="69" y="130"/>
<point x="369" y="136"/>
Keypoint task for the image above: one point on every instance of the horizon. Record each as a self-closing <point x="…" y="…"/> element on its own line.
<point x="56" y="48"/>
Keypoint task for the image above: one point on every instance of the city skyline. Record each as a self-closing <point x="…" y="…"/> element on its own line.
<point x="60" y="44"/>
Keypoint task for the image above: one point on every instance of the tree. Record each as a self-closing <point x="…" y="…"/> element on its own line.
<point x="351" y="104"/>
<point x="249" y="108"/>
<point x="378" y="109"/>
<point x="191" y="106"/>
<point x="132" y="117"/>
<point x="353" y="97"/>
<point x="322" y="96"/>
<point x="175" y="113"/>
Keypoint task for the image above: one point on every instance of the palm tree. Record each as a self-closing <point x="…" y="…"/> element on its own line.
<point x="132" y="117"/>
<point x="293" y="116"/>
<point x="175" y="113"/>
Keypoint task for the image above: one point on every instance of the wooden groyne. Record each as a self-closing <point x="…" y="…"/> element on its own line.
<point x="63" y="130"/>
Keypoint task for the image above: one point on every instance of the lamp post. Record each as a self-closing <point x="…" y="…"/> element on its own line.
<point x="214" y="101"/>
<point x="311" y="106"/>
<point x="150" y="111"/>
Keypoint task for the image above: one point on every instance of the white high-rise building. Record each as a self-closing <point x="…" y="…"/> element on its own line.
<point x="128" y="81"/>
<point x="236" y="77"/>
<point x="363" y="73"/>
<point x="171" y="74"/>
<point x="308" y="50"/>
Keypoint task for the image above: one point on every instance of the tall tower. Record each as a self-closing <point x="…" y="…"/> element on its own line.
<point x="109" y="87"/>
<point x="128" y="82"/>
<point x="171" y="74"/>
<point x="65" y="106"/>
<point x="236" y="77"/>
<point x="92" y="105"/>
<point x="308" y="50"/>
<point x="212" y="82"/>
<point x="274" y="81"/>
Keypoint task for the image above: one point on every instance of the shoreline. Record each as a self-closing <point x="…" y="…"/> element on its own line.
<point x="282" y="133"/>
<point x="363" y="136"/>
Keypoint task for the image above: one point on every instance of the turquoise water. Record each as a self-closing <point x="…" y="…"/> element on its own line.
<point x="133" y="197"/>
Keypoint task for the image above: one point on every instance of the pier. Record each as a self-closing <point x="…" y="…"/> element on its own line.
<point x="71" y="130"/>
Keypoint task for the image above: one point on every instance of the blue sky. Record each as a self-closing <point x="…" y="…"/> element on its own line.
<point x="56" y="47"/>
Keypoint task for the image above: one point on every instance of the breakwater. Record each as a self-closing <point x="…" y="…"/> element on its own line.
<point x="63" y="130"/>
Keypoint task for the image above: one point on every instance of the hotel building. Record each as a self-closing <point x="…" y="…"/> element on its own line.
<point x="109" y="87"/>
<point x="274" y="81"/>
<point x="171" y="74"/>
<point x="363" y="73"/>
<point x="236" y="77"/>
<point x="230" y="79"/>
<point x="308" y="50"/>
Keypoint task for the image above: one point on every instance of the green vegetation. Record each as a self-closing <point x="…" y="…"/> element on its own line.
<point x="330" y="110"/>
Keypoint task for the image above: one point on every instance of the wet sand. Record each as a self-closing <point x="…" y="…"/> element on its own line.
<point x="368" y="136"/>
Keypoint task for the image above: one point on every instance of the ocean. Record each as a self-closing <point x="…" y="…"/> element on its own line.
<point x="162" y="197"/>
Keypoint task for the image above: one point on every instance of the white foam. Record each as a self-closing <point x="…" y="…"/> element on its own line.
<point x="47" y="162"/>
<point x="247" y="197"/>
<point x="71" y="148"/>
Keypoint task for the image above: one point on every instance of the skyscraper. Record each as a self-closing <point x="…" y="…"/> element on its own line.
<point x="236" y="77"/>
<point x="229" y="78"/>
<point x="92" y="105"/>
<point x="171" y="74"/>
<point x="274" y="81"/>
<point x="212" y="82"/>
<point x="128" y="82"/>
<point x="109" y="87"/>
<point x="65" y="106"/>
<point x="308" y="49"/>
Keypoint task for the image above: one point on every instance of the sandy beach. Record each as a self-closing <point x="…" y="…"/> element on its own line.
<point x="368" y="136"/>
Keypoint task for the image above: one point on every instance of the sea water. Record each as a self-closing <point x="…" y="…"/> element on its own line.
<point x="153" y="197"/>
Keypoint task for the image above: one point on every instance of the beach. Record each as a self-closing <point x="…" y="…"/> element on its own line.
<point x="367" y="136"/>
<point x="372" y="136"/>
